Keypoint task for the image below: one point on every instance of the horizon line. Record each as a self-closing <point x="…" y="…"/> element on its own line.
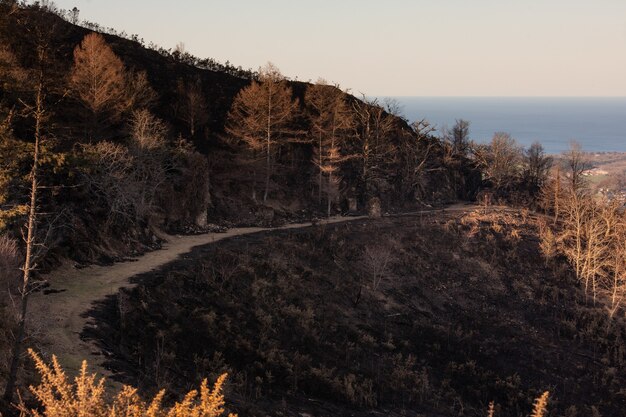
<point x="497" y="96"/>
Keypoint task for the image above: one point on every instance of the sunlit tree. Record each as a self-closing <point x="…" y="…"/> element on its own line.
<point x="261" y="117"/>
<point x="98" y="81"/>
<point x="331" y="121"/>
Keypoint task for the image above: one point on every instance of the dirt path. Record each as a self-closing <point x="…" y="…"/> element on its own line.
<point x="58" y="317"/>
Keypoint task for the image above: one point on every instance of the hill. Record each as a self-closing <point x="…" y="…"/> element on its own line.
<point x="107" y="207"/>
<point x="108" y="147"/>
<point x="438" y="315"/>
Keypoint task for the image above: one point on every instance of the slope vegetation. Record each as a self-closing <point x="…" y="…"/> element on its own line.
<point x="433" y="314"/>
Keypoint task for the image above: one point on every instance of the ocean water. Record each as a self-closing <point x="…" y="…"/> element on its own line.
<point x="598" y="124"/>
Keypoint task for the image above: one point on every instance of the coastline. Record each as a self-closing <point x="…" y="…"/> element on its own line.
<point x="594" y="122"/>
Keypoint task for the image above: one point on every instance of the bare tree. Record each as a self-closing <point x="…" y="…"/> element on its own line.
<point x="595" y="248"/>
<point x="191" y="107"/>
<point x="109" y="180"/>
<point x="536" y="165"/>
<point x="616" y="258"/>
<point x="592" y="233"/>
<point x="150" y="162"/>
<point x="376" y="261"/>
<point x="374" y="149"/>
<point x="457" y="145"/>
<point x="127" y="179"/>
<point x="459" y="136"/>
<point x="500" y="160"/>
<point x="261" y="117"/>
<point x="575" y="209"/>
<point x="416" y="158"/>
<point x="577" y="163"/>
<point x="39" y="114"/>
<point x="330" y="125"/>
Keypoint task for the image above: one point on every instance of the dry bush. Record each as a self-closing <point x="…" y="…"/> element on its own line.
<point x="109" y="179"/>
<point x="497" y="227"/>
<point x="58" y="397"/>
<point x="515" y="235"/>
<point x="376" y="262"/>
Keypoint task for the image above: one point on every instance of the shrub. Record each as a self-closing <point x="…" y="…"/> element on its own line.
<point x="8" y="261"/>
<point x="58" y="397"/>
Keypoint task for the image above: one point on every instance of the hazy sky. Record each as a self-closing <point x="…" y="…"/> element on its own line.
<point x="398" y="47"/>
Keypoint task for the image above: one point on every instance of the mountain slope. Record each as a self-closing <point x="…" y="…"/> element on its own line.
<point x="463" y="312"/>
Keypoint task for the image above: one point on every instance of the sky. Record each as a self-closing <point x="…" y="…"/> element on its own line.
<point x="397" y="47"/>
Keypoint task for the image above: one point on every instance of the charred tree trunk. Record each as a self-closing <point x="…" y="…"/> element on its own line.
<point x="29" y="266"/>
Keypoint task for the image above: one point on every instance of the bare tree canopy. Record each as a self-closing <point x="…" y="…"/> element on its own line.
<point x="537" y="165"/>
<point x="331" y="121"/>
<point x="373" y="127"/>
<point x="577" y="163"/>
<point x="500" y="160"/>
<point x="98" y="75"/>
<point x="261" y="117"/>
<point x="191" y="107"/>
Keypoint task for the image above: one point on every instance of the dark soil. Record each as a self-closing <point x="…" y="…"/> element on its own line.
<point x="466" y="311"/>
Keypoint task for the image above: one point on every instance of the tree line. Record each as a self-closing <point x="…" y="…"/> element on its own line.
<point x="587" y="230"/>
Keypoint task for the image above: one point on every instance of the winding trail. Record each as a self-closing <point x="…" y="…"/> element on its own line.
<point x="58" y="318"/>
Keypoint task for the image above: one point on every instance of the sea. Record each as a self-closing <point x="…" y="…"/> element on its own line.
<point x="597" y="124"/>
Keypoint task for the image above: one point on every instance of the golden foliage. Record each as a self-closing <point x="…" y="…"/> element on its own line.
<point x="262" y="112"/>
<point x="540" y="408"/>
<point x="97" y="77"/>
<point x="58" y="397"/>
<point x="541" y="405"/>
<point x="261" y="117"/>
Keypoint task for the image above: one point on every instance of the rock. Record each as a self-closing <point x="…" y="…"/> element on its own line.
<point x="373" y="207"/>
<point x="202" y="219"/>
<point x="352" y="205"/>
<point x="265" y="214"/>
